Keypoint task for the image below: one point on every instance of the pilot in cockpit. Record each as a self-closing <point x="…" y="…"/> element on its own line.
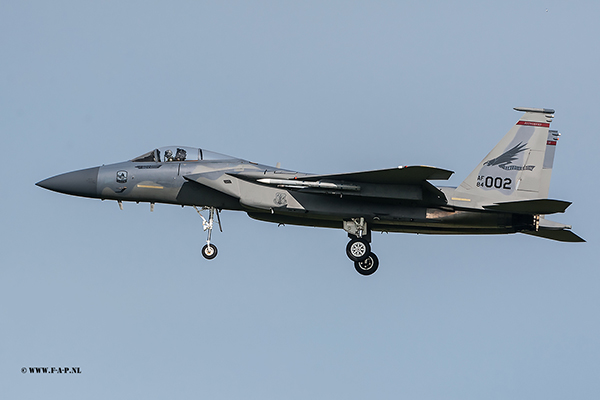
<point x="181" y="155"/>
<point x="168" y="156"/>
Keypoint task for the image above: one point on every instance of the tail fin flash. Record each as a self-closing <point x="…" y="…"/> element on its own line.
<point x="520" y="166"/>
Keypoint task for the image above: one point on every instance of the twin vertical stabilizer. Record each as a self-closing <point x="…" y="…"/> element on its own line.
<point x="520" y="166"/>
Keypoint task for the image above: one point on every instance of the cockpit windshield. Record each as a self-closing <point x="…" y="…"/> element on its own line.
<point x="179" y="153"/>
<point x="147" y="157"/>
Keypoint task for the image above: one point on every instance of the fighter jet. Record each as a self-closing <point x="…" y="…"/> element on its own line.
<point x="507" y="192"/>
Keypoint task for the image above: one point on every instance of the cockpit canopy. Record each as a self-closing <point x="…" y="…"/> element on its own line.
<point x="179" y="153"/>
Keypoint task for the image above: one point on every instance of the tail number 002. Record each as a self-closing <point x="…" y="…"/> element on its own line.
<point x="494" y="182"/>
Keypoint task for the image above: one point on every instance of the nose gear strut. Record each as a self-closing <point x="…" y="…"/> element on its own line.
<point x="209" y="251"/>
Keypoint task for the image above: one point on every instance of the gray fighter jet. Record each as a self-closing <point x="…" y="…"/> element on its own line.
<point x="506" y="192"/>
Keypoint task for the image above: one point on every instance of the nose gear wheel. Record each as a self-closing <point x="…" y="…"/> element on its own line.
<point x="209" y="251"/>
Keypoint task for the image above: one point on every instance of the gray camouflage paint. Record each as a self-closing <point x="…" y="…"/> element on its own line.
<point x="516" y="172"/>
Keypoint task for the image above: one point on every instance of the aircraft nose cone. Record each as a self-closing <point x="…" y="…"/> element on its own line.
<point x="78" y="183"/>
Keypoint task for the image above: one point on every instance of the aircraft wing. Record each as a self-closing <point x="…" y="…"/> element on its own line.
<point x="401" y="183"/>
<point x="409" y="175"/>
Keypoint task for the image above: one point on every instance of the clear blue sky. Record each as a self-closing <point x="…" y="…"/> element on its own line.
<point x="325" y="87"/>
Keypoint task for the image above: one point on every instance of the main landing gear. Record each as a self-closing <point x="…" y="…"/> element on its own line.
<point x="368" y="266"/>
<point x="359" y="248"/>
<point x="209" y="251"/>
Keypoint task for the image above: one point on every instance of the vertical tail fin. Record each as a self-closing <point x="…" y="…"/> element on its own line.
<point x="548" y="162"/>
<point x="520" y="166"/>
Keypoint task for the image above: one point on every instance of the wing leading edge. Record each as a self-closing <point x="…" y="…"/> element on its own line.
<point x="393" y="176"/>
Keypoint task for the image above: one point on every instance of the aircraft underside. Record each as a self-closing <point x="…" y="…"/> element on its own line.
<point x="403" y="226"/>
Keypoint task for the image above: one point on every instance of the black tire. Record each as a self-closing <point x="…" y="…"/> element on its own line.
<point x="358" y="249"/>
<point x="209" y="251"/>
<point x="368" y="266"/>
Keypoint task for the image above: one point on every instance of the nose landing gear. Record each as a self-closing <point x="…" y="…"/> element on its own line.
<point x="209" y="251"/>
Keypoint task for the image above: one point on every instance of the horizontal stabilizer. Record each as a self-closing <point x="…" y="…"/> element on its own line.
<point x="561" y="235"/>
<point x="393" y="176"/>
<point x="536" y="206"/>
